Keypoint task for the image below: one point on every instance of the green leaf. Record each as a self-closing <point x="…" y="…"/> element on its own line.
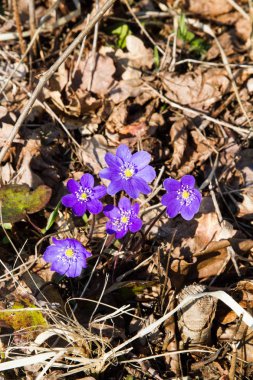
<point x="22" y="319"/>
<point x="7" y="226"/>
<point x="156" y="57"/>
<point x="51" y="219"/>
<point x="17" y="201"/>
<point x="85" y="218"/>
<point x="122" y="31"/>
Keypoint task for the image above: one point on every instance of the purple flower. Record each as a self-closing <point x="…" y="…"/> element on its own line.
<point x="68" y="256"/>
<point x="128" y="172"/>
<point x="123" y="218"/>
<point x="84" y="196"/>
<point x="181" y="197"/>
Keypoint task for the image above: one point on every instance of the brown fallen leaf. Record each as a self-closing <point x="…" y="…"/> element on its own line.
<point x="138" y="55"/>
<point x="199" y="89"/>
<point x="125" y="89"/>
<point x="178" y="135"/>
<point x="93" y="152"/>
<point x="195" y="320"/>
<point x="209" y="9"/>
<point x="101" y="76"/>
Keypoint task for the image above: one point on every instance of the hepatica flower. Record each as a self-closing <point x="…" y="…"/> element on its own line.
<point x="68" y="257"/>
<point x="181" y="198"/>
<point x="123" y="218"/>
<point x="84" y="196"/>
<point x="128" y="172"/>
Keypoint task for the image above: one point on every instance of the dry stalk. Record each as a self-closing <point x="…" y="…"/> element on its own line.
<point x="18" y="26"/>
<point x="48" y="74"/>
<point x="240" y="131"/>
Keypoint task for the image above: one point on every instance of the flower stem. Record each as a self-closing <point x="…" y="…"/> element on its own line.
<point x="92" y="227"/>
<point x="144" y="235"/>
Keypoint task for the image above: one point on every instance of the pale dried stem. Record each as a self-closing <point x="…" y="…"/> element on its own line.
<point x="18" y="26"/>
<point x="93" y="52"/>
<point x="32" y="23"/>
<point x="46" y="76"/>
<point x="174" y="49"/>
<point x="173" y="104"/>
<point x="143" y="28"/>
<point x="239" y="9"/>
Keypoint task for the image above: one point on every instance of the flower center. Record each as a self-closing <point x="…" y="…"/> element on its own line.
<point x="127" y="170"/>
<point x="129" y="173"/>
<point x="69" y="252"/>
<point x="185" y="194"/>
<point x="124" y="219"/>
<point x="84" y="196"/>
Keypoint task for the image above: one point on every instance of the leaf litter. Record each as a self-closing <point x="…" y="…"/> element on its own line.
<point x="99" y="95"/>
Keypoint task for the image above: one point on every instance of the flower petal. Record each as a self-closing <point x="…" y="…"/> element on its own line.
<point x="148" y="174"/>
<point x="109" y="228"/>
<point x="60" y="266"/>
<point x="189" y="211"/>
<point x="99" y="191"/>
<point x="188" y="180"/>
<point x="109" y="173"/>
<point x="141" y="185"/>
<point x="73" y="186"/>
<point x="130" y="188"/>
<point x="172" y="203"/>
<point x="124" y="204"/>
<point x="197" y="194"/>
<point x="79" y="208"/>
<point x="112" y="212"/>
<point x="74" y="269"/>
<point x="120" y="234"/>
<point x="69" y="200"/>
<point x="63" y="243"/>
<point x="124" y="153"/>
<point x="171" y="184"/>
<point x="141" y="159"/>
<point x="51" y="254"/>
<point x="135" y="224"/>
<point x="115" y="186"/>
<point x="87" y="180"/>
<point x="113" y="161"/>
<point x="94" y="206"/>
<point x="135" y="208"/>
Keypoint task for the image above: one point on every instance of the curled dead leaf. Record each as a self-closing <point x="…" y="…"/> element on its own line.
<point x="178" y="135"/>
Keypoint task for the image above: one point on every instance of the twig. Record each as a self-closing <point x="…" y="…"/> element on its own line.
<point x="18" y="26"/>
<point x="43" y="80"/>
<point x="174" y="49"/>
<point x="142" y="28"/>
<point x="32" y="23"/>
<point x="93" y="52"/>
<point x="239" y="130"/>
<point x="239" y="9"/>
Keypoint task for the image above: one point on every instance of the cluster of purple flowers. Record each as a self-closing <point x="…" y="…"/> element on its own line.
<point x="126" y="172"/>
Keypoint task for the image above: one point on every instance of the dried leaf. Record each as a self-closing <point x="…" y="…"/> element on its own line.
<point x="211" y="8"/>
<point x="101" y="72"/>
<point x="198" y="89"/>
<point x="18" y="200"/>
<point x="139" y="55"/>
<point x="22" y="319"/>
<point x="125" y="89"/>
<point x="178" y="135"/>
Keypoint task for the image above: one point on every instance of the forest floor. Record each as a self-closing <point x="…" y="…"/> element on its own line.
<point x="79" y="80"/>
